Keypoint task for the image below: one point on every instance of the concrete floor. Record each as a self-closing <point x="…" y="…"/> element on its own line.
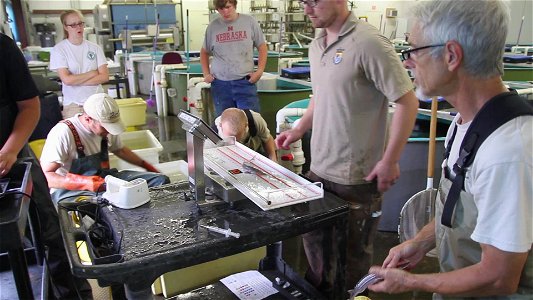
<point x="172" y="137"/>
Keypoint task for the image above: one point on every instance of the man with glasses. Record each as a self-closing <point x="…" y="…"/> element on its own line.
<point x="80" y="64"/>
<point x="484" y="247"/>
<point x="230" y="39"/>
<point x="355" y="73"/>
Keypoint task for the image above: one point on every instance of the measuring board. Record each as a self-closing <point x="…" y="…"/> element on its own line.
<point x="269" y="185"/>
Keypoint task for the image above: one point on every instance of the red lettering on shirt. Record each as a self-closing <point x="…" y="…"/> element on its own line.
<point x="234" y="36"/>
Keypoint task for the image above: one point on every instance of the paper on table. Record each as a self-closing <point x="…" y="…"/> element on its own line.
<point x="249" y="285"/>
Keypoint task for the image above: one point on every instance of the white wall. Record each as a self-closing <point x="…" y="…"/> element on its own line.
<point x="63" y="4"/>
<point x="374" y="10"/>
<point x="519" y="9"/>
<point x="197" y="22"/>
<point x="199" y="19"/>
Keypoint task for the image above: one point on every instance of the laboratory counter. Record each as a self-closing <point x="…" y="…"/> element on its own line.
<point x="165" y="234"/>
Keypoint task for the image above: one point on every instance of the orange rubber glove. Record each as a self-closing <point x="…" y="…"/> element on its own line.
<point x="149" y="167"/>
<point x="81" y="182"/>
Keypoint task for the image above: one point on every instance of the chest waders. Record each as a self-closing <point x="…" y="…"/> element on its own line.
<point x="457" y="208"/>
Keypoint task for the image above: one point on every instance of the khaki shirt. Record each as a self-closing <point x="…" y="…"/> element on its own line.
<point x="353" y="81"/>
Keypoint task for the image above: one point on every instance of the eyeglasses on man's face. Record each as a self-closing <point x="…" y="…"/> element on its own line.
<point x="310" y="3"/>
<point x="406" y="54"/>
<point x="75" y="25"/>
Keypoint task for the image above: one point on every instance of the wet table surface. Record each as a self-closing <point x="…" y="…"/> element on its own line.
<point x="165" y="234"/>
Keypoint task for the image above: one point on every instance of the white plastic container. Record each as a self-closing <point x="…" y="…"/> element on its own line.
<point x="142" y="143"/>
<point x="124" y="194"/>
<point x="175" y="170"/>
<point x="267" y="82"/>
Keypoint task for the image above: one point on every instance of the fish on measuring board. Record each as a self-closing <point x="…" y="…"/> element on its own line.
<point x="248" y="168"/>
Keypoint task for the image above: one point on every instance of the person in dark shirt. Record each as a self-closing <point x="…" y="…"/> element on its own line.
<point x="19" y="114"/>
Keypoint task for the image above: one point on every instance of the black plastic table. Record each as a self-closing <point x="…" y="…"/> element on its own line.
<point x="14" y="206"/>
<point x="164" y="234"/>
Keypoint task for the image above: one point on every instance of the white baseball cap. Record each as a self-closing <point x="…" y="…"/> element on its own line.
<point x="104" y="109"/>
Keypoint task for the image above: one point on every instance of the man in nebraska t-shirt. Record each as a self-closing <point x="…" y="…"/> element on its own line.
<point x="230" y="39"/>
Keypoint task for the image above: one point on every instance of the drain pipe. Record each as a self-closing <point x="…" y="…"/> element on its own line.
<point x="157" y="89"/>
<point x="132" y="74"/>
<point x="160" y="84"/>
<point x="287" y="112"/>
<point x="294" y="157"/>
<point x="194" y="95"/>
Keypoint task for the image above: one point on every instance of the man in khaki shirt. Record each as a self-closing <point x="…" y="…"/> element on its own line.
<point x="355" y="73"/>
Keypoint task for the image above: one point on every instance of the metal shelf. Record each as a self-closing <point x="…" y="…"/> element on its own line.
<point x="287" y="15"/>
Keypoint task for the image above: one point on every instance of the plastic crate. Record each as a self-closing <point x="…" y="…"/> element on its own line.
<point x="132" y="111"/>
<point x="296" y="72"/>
<point x="517" y="58"/>
<point x="143" y="143"/>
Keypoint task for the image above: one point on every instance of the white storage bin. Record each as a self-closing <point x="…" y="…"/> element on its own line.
<point x="267" y="82"/>
<point x="175" y="170"/>
<point x="143" y="143"/>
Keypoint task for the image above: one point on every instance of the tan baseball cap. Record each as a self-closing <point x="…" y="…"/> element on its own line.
<point x="104" y="109"/>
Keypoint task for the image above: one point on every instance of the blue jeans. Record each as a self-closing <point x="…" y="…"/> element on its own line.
<point x="234" y="93"/>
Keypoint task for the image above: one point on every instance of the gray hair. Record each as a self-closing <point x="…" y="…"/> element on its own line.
<point x="479" y="26"/>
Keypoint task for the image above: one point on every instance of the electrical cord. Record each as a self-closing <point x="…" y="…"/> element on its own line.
<point x="102" y="202"/>
<point x="14" y="193"/>
<point x="100" y="234"/>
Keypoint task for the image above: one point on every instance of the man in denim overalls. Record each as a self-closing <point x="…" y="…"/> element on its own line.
<point x="75" y="156"/>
